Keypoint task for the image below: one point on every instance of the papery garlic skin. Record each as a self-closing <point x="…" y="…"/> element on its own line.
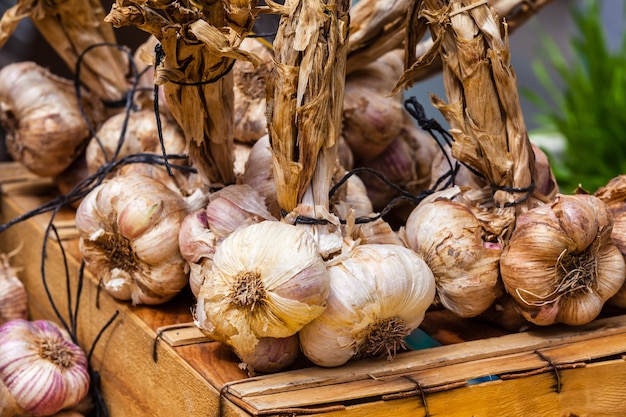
<point x="372" y="287"/>
<point x="267" y="280"/>
<point x="613" y="194"/>
<point x="45" y="129"/>
<point x="456" y="246"/>
<point x="560" y="264"/>
<point x="233" y="207"/>
<point x="13" y="295"/>
<point x="129" y="227"/>
<point x="40" y="369"/>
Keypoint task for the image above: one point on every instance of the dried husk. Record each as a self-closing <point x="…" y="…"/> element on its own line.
<point x="45" y="129"/>
<point x="250" y="123"/>
<point x="422" y="64"/>
<point x="443" y="164"/>
<point x="560" y="264"/>
<point x="305" y="98"/>
<point x="200" y="42"/>
<point x="70" y="27"/>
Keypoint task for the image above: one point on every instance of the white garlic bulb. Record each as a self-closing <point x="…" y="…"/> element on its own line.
<point x="41" y="370"/>
<point x="129" y="228"/>
<point x="13" y="295"/>
<point x="267" y="280"/>
<point x="460" y="248"/>
<point x="378" y="295"/>
<point x="560" y="264"/>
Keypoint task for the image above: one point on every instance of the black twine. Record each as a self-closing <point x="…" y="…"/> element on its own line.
<point x="79" y="191"/>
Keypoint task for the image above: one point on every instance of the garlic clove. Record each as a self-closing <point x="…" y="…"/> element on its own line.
<point x="235" y="206"/>
<point x="43" y="371"/>
<point x="258" y="174"/>
<point x="195" y="238"/>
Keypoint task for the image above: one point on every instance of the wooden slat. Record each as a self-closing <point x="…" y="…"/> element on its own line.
<point x="430" y="358"/>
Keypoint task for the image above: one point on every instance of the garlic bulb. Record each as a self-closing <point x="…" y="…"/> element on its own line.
<point x="41" y="371"/>
<point x="13" y="296"/>
<point x="267" y="280"/>
<point x="129" y="228"/>
<point x="560" y="264"/>
<point x="461" y="250"/>
<point x="45" y="130"/>
<point x="378" y="295"/>
<point x="372" y="117"/>
<point x="271" y="355"/>
<point x="140" y="135"/>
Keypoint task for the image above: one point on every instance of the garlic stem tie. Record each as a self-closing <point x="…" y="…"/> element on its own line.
<point x="432" y="126"/>
<point x="85" y="186"/>
<point x="159" y="55"/>
<point x="514" y="190"/>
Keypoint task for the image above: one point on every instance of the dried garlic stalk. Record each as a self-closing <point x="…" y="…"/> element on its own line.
<point x="305" y="98"/>
<point x="71" y="27"/>
<point x="483" y="110"/>
<point x="200" y="43"/>
<point x="490" y="136"/>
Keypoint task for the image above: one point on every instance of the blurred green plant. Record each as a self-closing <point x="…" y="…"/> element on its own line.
<point x="589" y="110"/>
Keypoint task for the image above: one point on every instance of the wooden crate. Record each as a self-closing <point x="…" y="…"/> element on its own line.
<point x="545" y="372"/>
